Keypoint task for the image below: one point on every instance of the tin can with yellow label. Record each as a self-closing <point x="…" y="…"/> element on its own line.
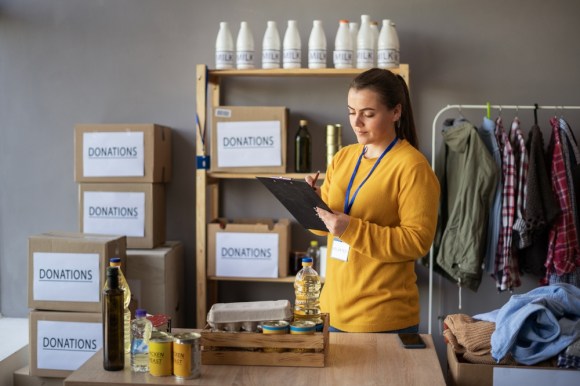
<point x="186" y="355"/>
<point x="160" y="354"/>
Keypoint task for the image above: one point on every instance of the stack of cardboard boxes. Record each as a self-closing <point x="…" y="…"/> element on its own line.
<point x="121" y="170"/>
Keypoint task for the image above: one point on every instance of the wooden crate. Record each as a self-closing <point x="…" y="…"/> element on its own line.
<point x="246" y="348"/>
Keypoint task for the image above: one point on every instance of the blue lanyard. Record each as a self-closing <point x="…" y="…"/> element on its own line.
<point x="348" y="203"/>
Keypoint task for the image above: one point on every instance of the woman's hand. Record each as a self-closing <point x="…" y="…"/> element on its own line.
<point x="336" y="222"/>
<point x="311" y="180"/>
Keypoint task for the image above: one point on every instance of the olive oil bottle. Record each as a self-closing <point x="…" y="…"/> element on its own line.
<point x="113" y="323"/>
<point x="303" y="149"/>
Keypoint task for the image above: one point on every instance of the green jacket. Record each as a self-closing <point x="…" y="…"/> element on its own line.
<point x="468" y="177"/>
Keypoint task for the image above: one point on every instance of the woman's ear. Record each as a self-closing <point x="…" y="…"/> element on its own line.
<point x="397" y="112"/>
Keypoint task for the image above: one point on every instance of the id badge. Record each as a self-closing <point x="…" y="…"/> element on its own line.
<point x="339" y="250"/>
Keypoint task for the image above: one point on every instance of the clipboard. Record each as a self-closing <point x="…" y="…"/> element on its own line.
<point x="299" y="198"/>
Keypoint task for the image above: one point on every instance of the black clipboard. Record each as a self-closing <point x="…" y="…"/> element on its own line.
<point x="299" y="198"/>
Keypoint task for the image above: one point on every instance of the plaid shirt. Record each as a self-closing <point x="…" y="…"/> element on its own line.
<point x="562" y="240"/>
<point x="506" y="270"/>
<point x="518" y="142"/>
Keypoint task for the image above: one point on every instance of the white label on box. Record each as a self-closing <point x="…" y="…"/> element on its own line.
<point x="247" y="254"/>
<point x="108" y="154"/>
<point x="66" y="345"/>
<point x="243" y="144"/>
<point x="114" y="213"/>
<point x="66" y="277"/>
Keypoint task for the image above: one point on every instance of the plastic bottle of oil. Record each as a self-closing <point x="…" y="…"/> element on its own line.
<point x="307" y="290"/>
<point x="116" y="262"/>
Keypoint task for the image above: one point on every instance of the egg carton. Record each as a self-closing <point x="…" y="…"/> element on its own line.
<point x="247" y="316"/>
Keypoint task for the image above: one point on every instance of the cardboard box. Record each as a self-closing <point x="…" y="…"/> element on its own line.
<point x="471" y="374"/>
<point x="133" y="210"/>
<point x="66" y="271"/>
<point x="248" y="248"/>
<point x="249" y="139"/>
<point x="60" y="342"/>
<point x="22" y="377"/>
<point x="156" y="279"/>
<point x="122" y="153"/>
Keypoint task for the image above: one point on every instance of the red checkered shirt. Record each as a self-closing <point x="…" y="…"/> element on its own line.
<point x="518" y="143"/>
<point x="562" y="240"/>
<point x="506" y="270"/>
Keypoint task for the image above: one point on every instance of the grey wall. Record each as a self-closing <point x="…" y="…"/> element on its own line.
<point x="64" y="62"/>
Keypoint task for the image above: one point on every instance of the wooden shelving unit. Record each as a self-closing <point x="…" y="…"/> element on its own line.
<point x="207" y="182"/>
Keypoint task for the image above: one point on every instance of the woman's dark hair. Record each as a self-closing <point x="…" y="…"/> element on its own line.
<point x="392" y="90"/>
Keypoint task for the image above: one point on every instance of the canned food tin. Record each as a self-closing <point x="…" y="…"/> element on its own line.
<point x="186" y="355"/>
<point x="160" y="357"/>
<point x="275" y="327"/>
<point x="302" y="327"/>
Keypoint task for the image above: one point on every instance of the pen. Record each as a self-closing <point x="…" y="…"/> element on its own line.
<point x="315" y="179"/>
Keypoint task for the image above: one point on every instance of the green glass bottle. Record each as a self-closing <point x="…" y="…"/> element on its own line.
<point x="113" y="323"/>
<point x="302" y="149"/>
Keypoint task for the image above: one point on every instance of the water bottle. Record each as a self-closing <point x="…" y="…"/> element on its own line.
<point x="141" y="328"/>
<point x="365" y="57"/>
<point x="353" y="29"/>
<point x="116" y="262"/>
<point x="313" y="252"/>
<point x="388" y="46"/>
<point x="224" y="48"/>
<point x="317" y="46"/>
<point x="307" y="290"/>
<point x="342" y="55"/>
<point x="292" y="47"/>
<point x="244" y="48"/>
<point x="271" y="46"/>
<point x="303" y="149"/>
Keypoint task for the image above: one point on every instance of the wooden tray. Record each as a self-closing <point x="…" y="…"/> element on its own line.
<point x="247" y="348"/>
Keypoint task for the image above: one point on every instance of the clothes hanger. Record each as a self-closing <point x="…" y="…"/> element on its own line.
<point x="536" y="114"/>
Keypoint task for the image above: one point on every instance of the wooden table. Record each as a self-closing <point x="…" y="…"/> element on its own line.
<point x="354" y="359"/>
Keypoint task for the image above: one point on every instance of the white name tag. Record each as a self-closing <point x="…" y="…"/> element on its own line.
<point x="339" y="250"/>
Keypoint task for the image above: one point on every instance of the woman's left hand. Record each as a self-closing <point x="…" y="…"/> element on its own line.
<point x="336" y="222"/>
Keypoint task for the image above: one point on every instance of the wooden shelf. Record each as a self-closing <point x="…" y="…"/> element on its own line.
<point x="403" y="70"/>
<point x="208" y="92"/>
<point x="224" y="175"/>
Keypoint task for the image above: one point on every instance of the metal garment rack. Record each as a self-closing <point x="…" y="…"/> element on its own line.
<point x="487" y="107"/>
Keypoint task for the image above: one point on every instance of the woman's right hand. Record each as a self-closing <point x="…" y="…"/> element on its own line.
<point x="311" y="180"/>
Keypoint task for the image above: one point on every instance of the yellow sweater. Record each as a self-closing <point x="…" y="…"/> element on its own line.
<point x="393" y="221"/>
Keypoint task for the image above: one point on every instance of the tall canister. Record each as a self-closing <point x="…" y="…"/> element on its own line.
<point x="333" y="141"/>
<point x="186" y="355"/>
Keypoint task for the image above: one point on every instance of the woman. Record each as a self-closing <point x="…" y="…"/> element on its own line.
<point x="384" y="197"/>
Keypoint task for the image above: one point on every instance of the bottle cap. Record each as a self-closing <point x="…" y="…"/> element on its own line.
<point x="344" y="21"/>
<point x="314" y="243"/>
<point x="303" y="122"/>
<point x="140" y="312"/>
<point x="307" y="260"/>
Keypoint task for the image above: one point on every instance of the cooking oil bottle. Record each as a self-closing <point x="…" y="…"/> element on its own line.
<point x="307" y="289"/>
<point x="116" y="262"/>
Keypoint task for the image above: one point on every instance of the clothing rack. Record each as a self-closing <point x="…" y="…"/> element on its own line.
<point x="487" y="107"/>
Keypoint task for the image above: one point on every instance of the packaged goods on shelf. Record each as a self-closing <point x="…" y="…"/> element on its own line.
<point x="249" y="139"/>
<point x="248" y="248"/>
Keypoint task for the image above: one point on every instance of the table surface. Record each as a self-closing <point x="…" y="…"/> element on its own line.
<point x="354" y="359"/>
